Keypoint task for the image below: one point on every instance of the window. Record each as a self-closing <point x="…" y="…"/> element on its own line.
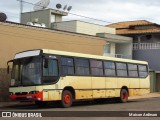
<point x="132" y="70"/>
<point x="50" y="73"/>
<point x="121" y="69"/>
<point x="143" y="71"/>
<point x="82" y="67"/>
<point x="96" y="67"/>
<point x="52" y="69"/>
<point x="109" y="69"/>
<point x="107" y="48"/>
<point x="67" y="66"/>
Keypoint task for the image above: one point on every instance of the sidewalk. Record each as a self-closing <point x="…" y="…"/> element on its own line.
<point x="150" y="95"/>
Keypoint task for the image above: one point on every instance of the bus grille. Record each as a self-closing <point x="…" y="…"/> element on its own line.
<point x="21" y="93"/>
<point x="22" y="98"/>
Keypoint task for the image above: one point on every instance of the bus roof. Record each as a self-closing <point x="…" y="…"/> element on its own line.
<point x="64" y="53"/>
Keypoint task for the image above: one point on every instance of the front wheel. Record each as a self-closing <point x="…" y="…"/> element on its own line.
<point x="67" y="99"/>
<point x="123" y="96"/>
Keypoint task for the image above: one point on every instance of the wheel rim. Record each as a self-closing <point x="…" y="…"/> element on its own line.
<point x="67" y="99"/>
<point x="124" y="96"/>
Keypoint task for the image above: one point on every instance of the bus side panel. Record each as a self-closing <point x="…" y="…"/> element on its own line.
<point x="134" y="86"/>
<point x="144" y="85"/>
<point x="111" y="85"/>
<point x="51" y="92"/>
<point x="98" y="87"/>
<point x="81" y="85"/>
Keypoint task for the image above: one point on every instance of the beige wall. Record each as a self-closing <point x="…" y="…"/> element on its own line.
<point x="16" y="38"/>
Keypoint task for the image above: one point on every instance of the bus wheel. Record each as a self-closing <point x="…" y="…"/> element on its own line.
<point x="66" y="99"/>
<point x="41" y="103"/>
<point x="124" y="96"/>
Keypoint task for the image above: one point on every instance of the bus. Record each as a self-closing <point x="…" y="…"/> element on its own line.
<point x="45" y="75"/>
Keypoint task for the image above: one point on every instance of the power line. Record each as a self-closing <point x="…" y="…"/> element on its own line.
<point x="89" y="17"/>
<point x="119" y="23"/>
<point x="69" y="13"/>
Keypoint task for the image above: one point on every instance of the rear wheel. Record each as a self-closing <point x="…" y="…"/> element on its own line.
<point x="123" y="96"/>
<point x="67" y="99"/>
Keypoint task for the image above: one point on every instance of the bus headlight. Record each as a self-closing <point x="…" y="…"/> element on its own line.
<point x="10" y="93"/>
<point x="39" y="99"/>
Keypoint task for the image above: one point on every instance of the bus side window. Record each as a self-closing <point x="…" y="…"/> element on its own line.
<point x="82" y="66"/>
<point x="121" y="69"/>
<point x="50" y="73"/>
<point x="109" y="68"/>
<point x="96" y="67"/>
<point x="67" y="66"/>
<point x="143" y="71"/>
<point x="132" y="70"/>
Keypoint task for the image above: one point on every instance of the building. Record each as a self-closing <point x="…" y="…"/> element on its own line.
<point x="46" y="16"/>
<point x="146" y="45"/>
<point x="116" y="45"/>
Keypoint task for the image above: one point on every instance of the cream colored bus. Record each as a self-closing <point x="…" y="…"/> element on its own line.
<point x="50" y="75"/>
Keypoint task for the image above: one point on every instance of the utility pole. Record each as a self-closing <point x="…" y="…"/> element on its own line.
<point x="21" y="9"/>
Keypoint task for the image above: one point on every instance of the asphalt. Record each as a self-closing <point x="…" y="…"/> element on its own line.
<point x="145" y="96"/>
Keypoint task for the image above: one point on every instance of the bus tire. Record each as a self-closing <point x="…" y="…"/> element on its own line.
<point x="67" y="99"/>
<point x="123" y="96"/>
<point x="41" y="103"/>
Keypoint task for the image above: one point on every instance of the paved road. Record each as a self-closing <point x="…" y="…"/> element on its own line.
<point x="147" y="104"/>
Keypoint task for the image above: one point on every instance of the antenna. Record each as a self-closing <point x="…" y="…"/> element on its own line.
<point x="58" y="6"/>
<point x="65" y="7"/>
<point x="41" y="5"/>
<point x="69" y="8"/>
<point x="3" y="17"/>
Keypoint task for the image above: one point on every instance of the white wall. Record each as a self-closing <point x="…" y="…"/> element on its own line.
<point x="124" y="49"/>
<point x="93" y="29"/>
<point x="83" y="27"/>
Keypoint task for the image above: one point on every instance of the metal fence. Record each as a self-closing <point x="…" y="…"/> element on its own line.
<point x="119" y="56"/>
<point x="143" y="46"/>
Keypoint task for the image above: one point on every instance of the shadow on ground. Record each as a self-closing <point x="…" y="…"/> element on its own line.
<point x="51" y="105"/>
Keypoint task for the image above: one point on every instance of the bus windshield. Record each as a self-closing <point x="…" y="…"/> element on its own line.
<point x="26" y="71"/>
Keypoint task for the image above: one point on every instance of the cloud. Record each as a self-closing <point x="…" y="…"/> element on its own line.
<point x="106" y="10"/>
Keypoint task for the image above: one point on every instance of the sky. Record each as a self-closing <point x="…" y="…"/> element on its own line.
<point x="109" y="11"/>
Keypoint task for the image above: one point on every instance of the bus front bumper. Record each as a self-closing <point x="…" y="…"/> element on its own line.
<point x="30" y="97"/>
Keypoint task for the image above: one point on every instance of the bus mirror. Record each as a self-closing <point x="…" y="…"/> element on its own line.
<point x="46" y="63"/>
<point x="8" y="68"/>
